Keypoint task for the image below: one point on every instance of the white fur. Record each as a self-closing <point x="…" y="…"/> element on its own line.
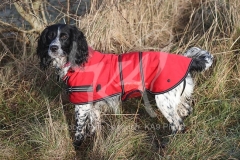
<point x="174" y="105"/>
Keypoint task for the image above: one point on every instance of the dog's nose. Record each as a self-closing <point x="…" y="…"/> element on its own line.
<point x="54" y="48"/>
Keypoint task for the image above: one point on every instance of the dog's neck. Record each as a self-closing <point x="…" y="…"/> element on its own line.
<point x="61" y="72"/>
<point x="63" y="69"/>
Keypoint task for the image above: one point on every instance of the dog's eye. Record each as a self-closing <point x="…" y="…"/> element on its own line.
<point x="51" y="35"/>
<point x="64" y="37"/>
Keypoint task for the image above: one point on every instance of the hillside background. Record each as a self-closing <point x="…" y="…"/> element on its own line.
<point x="37" y="121"/>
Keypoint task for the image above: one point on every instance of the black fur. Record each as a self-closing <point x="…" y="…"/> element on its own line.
<point x="198" y="64"/>
<point x="201" y="59"/>
<point x="75" y="47"/>
<point x="42" y="50"/>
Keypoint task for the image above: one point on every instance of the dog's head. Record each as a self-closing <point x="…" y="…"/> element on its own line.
<point x="62" y="44"/>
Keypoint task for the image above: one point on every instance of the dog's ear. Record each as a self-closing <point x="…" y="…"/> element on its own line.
<point x="79" y="47"/>
<point x="42" y="50"/>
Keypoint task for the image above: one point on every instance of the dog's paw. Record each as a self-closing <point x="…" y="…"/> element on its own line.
<point x="177" y="127"/>
<point x="77" y="144"/>
<point x="184" y="110"/>
<point x="78" y="141"/>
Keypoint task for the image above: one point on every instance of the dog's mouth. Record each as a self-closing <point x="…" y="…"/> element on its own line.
<point x="58" y="60"/>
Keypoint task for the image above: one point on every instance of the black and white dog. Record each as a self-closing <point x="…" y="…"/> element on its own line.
<point x="66" y="47"/>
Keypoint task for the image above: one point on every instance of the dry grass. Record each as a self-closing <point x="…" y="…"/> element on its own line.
<point x="120" y="139"/>
<point x="135" y="25"/>
<point x="7" y="151"/>
<point x="36" y="121"/>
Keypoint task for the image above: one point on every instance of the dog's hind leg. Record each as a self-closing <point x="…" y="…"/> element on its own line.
<point x="184" y="108"/>
<point x="114" y="103"/>
<point x="168" y="105"/>
<point x="82" y="116"/>
<point x="95" y="119"/>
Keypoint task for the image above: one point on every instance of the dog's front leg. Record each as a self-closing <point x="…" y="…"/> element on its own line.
<point x="81" y="116"/>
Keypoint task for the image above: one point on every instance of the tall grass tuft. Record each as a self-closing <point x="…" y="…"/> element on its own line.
<point x="121" y="140"/>
<point x="51" y="137"/>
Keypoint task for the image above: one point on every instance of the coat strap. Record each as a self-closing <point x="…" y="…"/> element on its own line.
<point x="141" y="71"/>
<point x="184" y="86"/>
<point x="147" y="104"/>
<point x="120" y="73"/>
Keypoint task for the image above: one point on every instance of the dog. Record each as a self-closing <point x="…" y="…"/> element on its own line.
<point x="95" y="79"/>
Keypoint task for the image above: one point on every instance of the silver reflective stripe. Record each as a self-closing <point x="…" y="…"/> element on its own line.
<point x="87" y="88"/>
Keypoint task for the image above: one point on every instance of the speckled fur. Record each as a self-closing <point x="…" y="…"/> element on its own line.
<point x="64" y="44"/>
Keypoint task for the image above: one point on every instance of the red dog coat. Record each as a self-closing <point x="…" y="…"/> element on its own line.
<point x="128" y="75"/>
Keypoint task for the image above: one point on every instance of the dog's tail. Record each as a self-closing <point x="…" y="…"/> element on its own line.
<point x="202" y="59"/>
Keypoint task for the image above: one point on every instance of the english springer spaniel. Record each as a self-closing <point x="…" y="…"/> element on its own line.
<point x="95" y="79"/>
